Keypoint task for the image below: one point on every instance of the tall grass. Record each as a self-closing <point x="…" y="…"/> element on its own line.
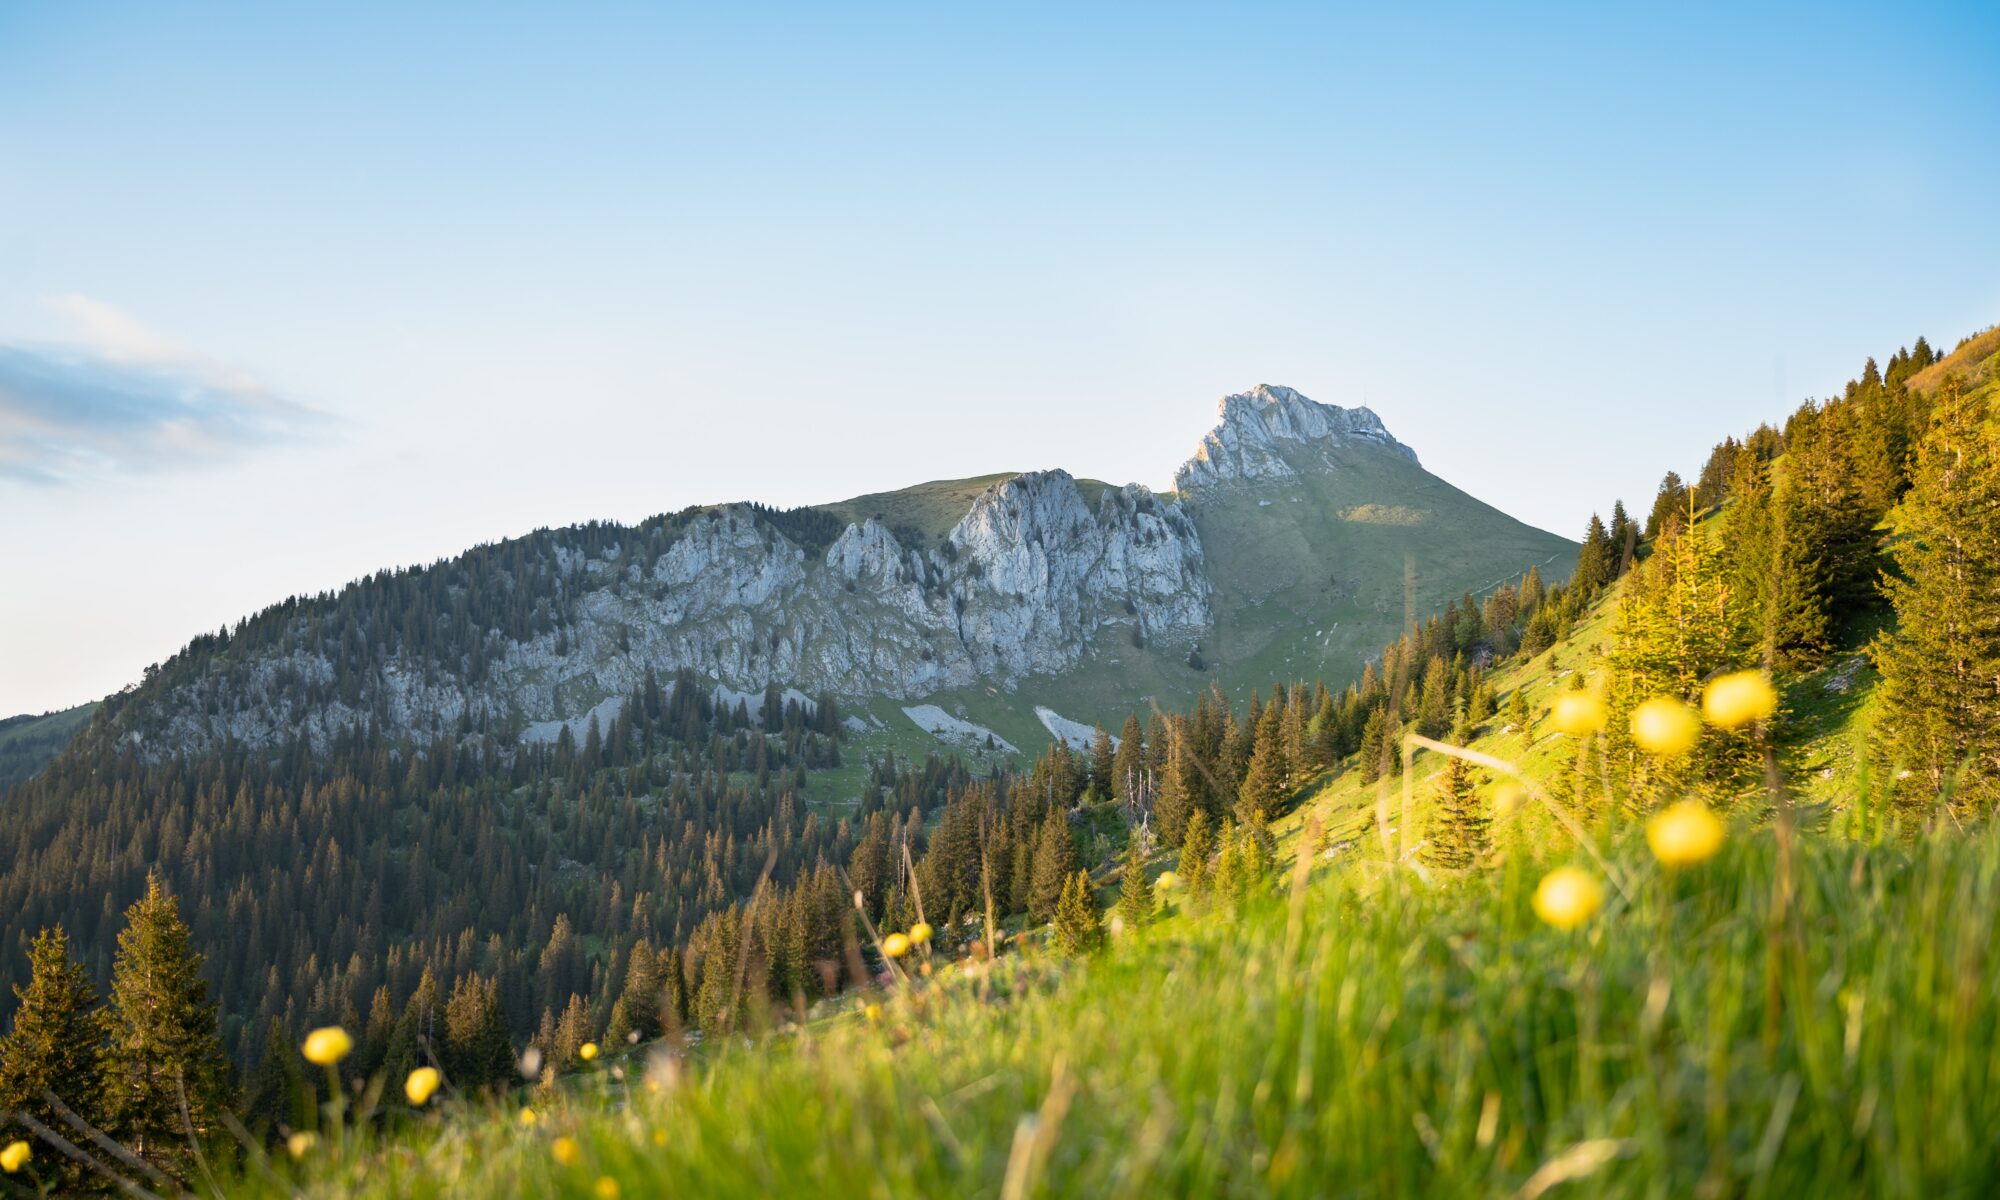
<point x="1365" y="1034"/>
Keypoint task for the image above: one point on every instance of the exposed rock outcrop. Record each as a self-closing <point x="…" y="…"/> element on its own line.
<point x="1258" y="430"/>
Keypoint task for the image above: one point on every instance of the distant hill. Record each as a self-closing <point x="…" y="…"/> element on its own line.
<point x="28" y="742"/>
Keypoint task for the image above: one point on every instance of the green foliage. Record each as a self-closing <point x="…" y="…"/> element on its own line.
<point x="55" y="1044"/>
<point x="163" y="1052"/>
<point x="1055" y="862"/>
<point x="1461" y="827"/>
<point x="1941" y="664"/>
<point x="1135" y="891"/>
<point x="1079" y="929"/>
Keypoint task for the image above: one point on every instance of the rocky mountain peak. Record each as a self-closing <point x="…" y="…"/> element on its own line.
<point x="1258" y="430"/>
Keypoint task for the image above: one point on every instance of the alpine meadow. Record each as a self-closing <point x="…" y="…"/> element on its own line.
<point x="1307" y="822"/>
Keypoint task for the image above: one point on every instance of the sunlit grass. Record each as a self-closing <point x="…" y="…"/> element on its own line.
<point x="1368" y="1034"/>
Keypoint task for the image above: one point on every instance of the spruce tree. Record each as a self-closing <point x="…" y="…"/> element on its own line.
<point x="418" y="1040"/>
<point x="1055" y="862"/>
<point x="277" y="1087"/>
<point x="1128" y="765"/>
<point x="1941" y="663"/>
<point x="1195" y="849"/>
<point x="1101" y="757"/>
<point x="1078" y="927"/>
<point x="1594" y="562"/>
<point x="1461" y="829"/>
<point x="1135" y="891"/>
<point x="163" y="1043"/>
<point x="1179" y="797"/>
<point x="57" y="1038"/>
<point x="1263" y="789"/>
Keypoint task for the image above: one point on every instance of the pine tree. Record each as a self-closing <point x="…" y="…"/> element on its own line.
<point x="1263" y="789"/>
<point x="1232" y="872"/>
<point x="1517" y="709"/>
<point x="277" y="1088"/>
<point x="1375" y="746"/>
<point x="1128" y="765"/>
<point x="1101" y="765"/>
<point x="1179" y="797"/>
<point x="1055" y="862"/>
<point x="418" y="1040"/>
<point x="1195" y="849"/>
<point x="572" y="1031"/>
<point x="1461" y="829"/>
<point x="1135" y="891"/>
<point x="1434" y="699"/>
<point x="1594" y="562"/>
<point x="376" y="1035"/>
<point x="57" y="1037"/>
<point x="163" y="1044"/>
<point x="1078" y="927"/>
<point x="1941" y="663"/>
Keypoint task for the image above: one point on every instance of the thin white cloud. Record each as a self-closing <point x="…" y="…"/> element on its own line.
<point x="124" y="398"/>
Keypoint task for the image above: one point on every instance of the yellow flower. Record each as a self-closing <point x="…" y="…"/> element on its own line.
<point x="421" y="1085"/>
<point x="1684" y="834"/>
<point x="301" y="1143"/>
<point x="606" y="1188"/>
<point x="1506" y="799"/>
<point x="325" y="1047"/>
<point x="1166" y="881"/>
<point x="659" y="1137"/>
<point x="566" y="1150"/>
<point x="895" y="945"/>
<point x="920" y="933"/>
<point x="1664" y="726"/>
<point x="1736" y="700"/>
<point x="1578" y="713"/>
<point x="873" y="1012"/>
<point x="1567" y="897"/>
<point x="528" y="1117"/>
<point x="15" y="1156"/>
<point x="587" y="1051"/>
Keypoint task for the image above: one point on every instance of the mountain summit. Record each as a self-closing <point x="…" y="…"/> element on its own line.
<point x="1302" y="537"/>
<point x="1257" y="429"/>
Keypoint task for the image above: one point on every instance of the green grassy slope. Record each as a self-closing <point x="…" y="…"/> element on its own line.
<point x="1362" y="1032"/>
<point x="28" y="743"/>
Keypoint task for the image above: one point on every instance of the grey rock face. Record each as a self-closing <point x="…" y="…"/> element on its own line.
<point x="1024" y="584"/>
<point x="1257" y="427"/>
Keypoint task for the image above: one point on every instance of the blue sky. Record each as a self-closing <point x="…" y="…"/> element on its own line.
<point x="286" y="297"/>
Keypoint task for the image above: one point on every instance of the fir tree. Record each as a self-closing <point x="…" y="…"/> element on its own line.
<point x="1135" y="891"/>
<point x="1461" y="829"/>
<point x="1101" y="763"/>
<point x="163" y="1044"/>
<point x="1594" y="562"/>
<point x="1079" y="929"/>
<point x="418" y="1040"/>
<point x="572" y="1031"/>
<point x="1055" y="862"/>
<point x="1179" y="796"/>
<point x="1941" y="663"/>
<point x="1263" y="789"/>
<point x="277" y="1088"/>
<point x="1195" y="849"/>
<point x="1128" y="765"/>
<point x="57" y="1038"/>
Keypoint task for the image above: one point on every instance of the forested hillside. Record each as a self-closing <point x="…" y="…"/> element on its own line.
<point x="662" y="879"/>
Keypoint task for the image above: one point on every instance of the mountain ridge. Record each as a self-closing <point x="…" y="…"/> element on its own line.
<point x="1037" y="582"/>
